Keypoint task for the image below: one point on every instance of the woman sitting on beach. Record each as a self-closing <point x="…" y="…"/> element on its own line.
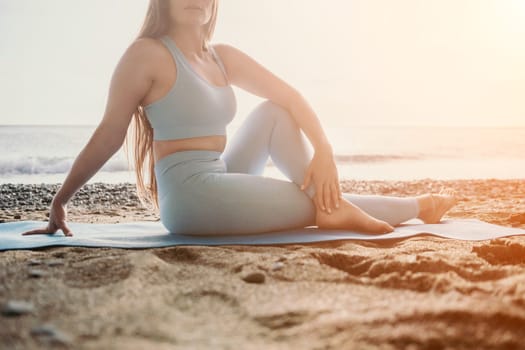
<point x="177" y="87"/>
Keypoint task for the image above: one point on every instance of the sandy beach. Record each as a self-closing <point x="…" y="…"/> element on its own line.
<point x="419" y="293"/>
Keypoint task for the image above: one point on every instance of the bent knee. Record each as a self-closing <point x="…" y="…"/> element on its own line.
<point x="277" y="113"/>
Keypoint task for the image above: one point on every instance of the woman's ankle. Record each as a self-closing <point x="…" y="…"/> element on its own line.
<point x="425" y="204"/>
<point x="434" y="206"/>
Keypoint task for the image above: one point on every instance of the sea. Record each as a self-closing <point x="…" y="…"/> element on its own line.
<point x="36" y="154"/>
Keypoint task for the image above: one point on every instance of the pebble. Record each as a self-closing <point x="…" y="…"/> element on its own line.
<point x="37" y="273"/>
<point x="517" y="218"/>
<point x="254" y="277"/>
<point x="17" y="216"/>
<point x="17" y="308"/>
<point x="277" y="266"/>
<point x="34" y="262"/>
<point x="51" y="334"/>
<point x="54" y="262"/>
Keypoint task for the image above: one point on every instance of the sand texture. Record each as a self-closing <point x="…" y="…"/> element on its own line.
<point x="419" y="293"/>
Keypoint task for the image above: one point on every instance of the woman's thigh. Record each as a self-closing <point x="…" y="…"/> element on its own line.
<point x="234" y="203"/>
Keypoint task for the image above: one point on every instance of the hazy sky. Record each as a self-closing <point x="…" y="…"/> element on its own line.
<point x="358" y="62"/>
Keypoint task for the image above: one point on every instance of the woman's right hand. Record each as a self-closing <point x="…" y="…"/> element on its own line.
<point x="57" y="221"/>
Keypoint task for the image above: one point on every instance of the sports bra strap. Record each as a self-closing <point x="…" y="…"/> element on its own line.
<point x="176" y="52"/>
<point x="219" y="62"/>
<point x="171" y="46"/>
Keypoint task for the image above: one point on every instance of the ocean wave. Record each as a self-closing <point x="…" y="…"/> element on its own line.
<point x="51" y="165"/>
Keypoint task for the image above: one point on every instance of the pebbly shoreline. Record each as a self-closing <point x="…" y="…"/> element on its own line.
<point x="32" y="201"/>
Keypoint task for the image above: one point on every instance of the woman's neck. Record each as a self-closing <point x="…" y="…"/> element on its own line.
<point x="189" y="40"/>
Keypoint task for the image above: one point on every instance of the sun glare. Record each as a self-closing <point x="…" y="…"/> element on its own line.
<point x="516" y="15"/>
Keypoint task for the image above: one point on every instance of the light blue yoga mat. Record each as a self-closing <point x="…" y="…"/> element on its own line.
<point x="147" y="234"/>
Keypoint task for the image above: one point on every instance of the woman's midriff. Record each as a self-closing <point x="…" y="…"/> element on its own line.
<point x="164" y="148"/>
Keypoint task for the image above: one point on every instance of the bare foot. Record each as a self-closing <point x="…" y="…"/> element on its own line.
<point x="350" y="217"/>
<point x="434" y="206"/>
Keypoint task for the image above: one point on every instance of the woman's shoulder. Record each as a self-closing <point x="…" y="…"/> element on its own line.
<point x="146" y="47"/>
<point x="145" y="54"/>
<point x="222" y="48"/>
<point x="230" y="55"/>
<point x="227" y="52"/>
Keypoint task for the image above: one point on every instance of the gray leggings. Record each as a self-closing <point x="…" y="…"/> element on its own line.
<point x="206" y="192"/>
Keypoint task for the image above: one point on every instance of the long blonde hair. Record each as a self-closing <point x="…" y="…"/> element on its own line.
<point x="140" y="135"/>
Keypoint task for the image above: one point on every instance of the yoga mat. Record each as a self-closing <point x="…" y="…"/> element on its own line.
<point x="147" y="234"/>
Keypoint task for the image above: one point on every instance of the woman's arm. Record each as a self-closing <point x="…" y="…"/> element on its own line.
<point x="130" y="82"/>
<point x="246" y="73"/>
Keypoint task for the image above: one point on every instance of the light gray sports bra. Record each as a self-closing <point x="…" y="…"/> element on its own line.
<point x="193" y="107"/>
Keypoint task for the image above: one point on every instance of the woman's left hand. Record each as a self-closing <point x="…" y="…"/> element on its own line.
<point x="323" y="173"/>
